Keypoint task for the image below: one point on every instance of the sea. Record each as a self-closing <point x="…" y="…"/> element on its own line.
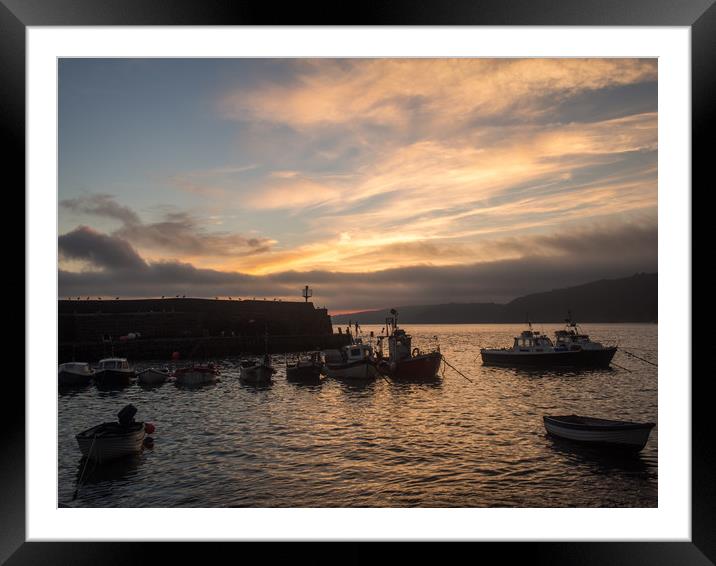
<point x="472" y="438"/>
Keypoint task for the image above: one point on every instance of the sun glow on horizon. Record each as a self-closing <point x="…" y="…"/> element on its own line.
<point x="340" y="169"/>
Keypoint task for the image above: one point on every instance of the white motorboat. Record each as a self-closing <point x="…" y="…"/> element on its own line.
<point x="114" y="371"/>
<point x="621" y="434"/>
<point x="74" y="373"/>
<point x="355" y="361"/>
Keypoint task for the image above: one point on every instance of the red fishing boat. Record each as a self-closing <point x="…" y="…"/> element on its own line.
<point x="403" y="361"/>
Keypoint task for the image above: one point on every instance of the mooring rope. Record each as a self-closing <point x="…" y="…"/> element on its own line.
<point x="621" y="367"/>
<point x="639" y="358"/>
<point x="457" y="370"/>
<point x="84" y="468"/>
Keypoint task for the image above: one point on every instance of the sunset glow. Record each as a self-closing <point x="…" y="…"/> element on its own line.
<point x="377" y="182"/>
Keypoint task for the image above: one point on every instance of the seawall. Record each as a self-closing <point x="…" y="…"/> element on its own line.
<point x="155" y="328"/>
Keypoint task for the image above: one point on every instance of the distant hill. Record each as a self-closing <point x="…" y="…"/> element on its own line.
<point x="631" y="299"/>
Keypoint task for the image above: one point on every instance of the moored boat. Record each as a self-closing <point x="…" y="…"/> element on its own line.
<point x="600" y="432"/>
<point x="256" y="371"/>
<point x="404" y="362"/>
<point x="572" y="348"/>
<point x="74" y="374"/>
<point x="355" y="361"/>
<point x="306" y="367"/>
<point x="109" y="441"/>
<point x="153" y="376"/>
<point x="114" y="371"/>
<point x="197" y="374"/>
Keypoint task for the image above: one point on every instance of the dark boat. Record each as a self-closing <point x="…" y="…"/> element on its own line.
<point x="259" y="371"/>
<point x="114" y="371"/>
<point x="197" y="374"/>
<point x="402" y="361"/>
<point x="571" y="348"/>
<point x="73" y="374"/>
<point x="109" y="441"/>
<point x="306" y="367"/>
<point x="600" y="432"/>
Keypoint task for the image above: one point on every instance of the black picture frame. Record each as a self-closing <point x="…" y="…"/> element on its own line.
<point x="699" y="15"/>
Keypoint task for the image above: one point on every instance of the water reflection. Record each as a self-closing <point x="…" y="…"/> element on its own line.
<point x="603" y="459"/>
<point x="339" y="443"/>
<point x="114" y="470"/>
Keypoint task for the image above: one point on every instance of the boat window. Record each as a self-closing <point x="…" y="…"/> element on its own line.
<point x="355" y="352"/>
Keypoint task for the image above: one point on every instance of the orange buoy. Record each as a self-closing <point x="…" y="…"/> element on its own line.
<point x="149" y="428"/>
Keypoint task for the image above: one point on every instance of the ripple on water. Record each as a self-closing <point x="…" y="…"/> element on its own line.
<point x="449" y="443"/>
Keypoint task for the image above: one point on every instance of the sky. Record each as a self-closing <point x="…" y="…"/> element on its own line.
<point x="378" y="182"/>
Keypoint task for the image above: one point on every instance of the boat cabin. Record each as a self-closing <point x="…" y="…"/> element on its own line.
<point x="570" y="337"/>
<point x="75" y="367"/>
<point x="356" y="352"/>
<point x="532" y="341"/>
<point x="399" y="344"/>
<point x="113" y="363"/>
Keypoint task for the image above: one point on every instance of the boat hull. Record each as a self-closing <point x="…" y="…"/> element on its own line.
<point x="303" y="373"/>
<point x="425" y="366"/>
<point x="103" y="448"/>
<point x="114" y="377"/>
<point x="73" y="379"/>
<point x="363" y="370"/>
<point x="630" y="436"/>
<point x="579" y="358"/>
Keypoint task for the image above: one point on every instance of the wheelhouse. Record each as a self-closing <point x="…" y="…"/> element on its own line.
<point x="532" y="341"/>
<point x="113" y="363"/>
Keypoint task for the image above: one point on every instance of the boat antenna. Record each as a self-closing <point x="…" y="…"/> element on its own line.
<point x="529" y="323"/>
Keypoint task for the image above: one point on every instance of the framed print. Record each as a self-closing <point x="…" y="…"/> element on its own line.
<point x="391" y="279"/>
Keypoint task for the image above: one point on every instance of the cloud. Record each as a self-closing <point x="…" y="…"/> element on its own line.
<point x="102" y="251"/>
<point x="405" y="93"/>
<point x="289" y="191"/>
<point x="102" y="205"/>
<point x="179" y="232"/>
<point x="543" y="263"/>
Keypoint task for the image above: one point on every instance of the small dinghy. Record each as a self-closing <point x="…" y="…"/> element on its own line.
<point x="256" y="372"/>
<point x="305" y="368"/>
<point x="197" y="374"/>
<point x="153" y="376"/>
<point x="109" y="441"/>
<point x="608" y="433"/>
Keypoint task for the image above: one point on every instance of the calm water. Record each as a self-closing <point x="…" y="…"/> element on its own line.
<point x="452" y="443"/>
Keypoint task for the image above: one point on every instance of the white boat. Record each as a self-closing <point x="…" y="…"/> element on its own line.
<point x="355" y="361"/>
<point x="109" y="441"/>
<point x="153" y="376"/>
<point x="197" y="375"/>
<point x="114" y="371"/>
<point x="256" y="371"/>
<point x="622" y="434"/>
<point x="74" y="373"/>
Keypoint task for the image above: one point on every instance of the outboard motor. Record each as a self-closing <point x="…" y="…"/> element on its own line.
<point x="126" y="415"/>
